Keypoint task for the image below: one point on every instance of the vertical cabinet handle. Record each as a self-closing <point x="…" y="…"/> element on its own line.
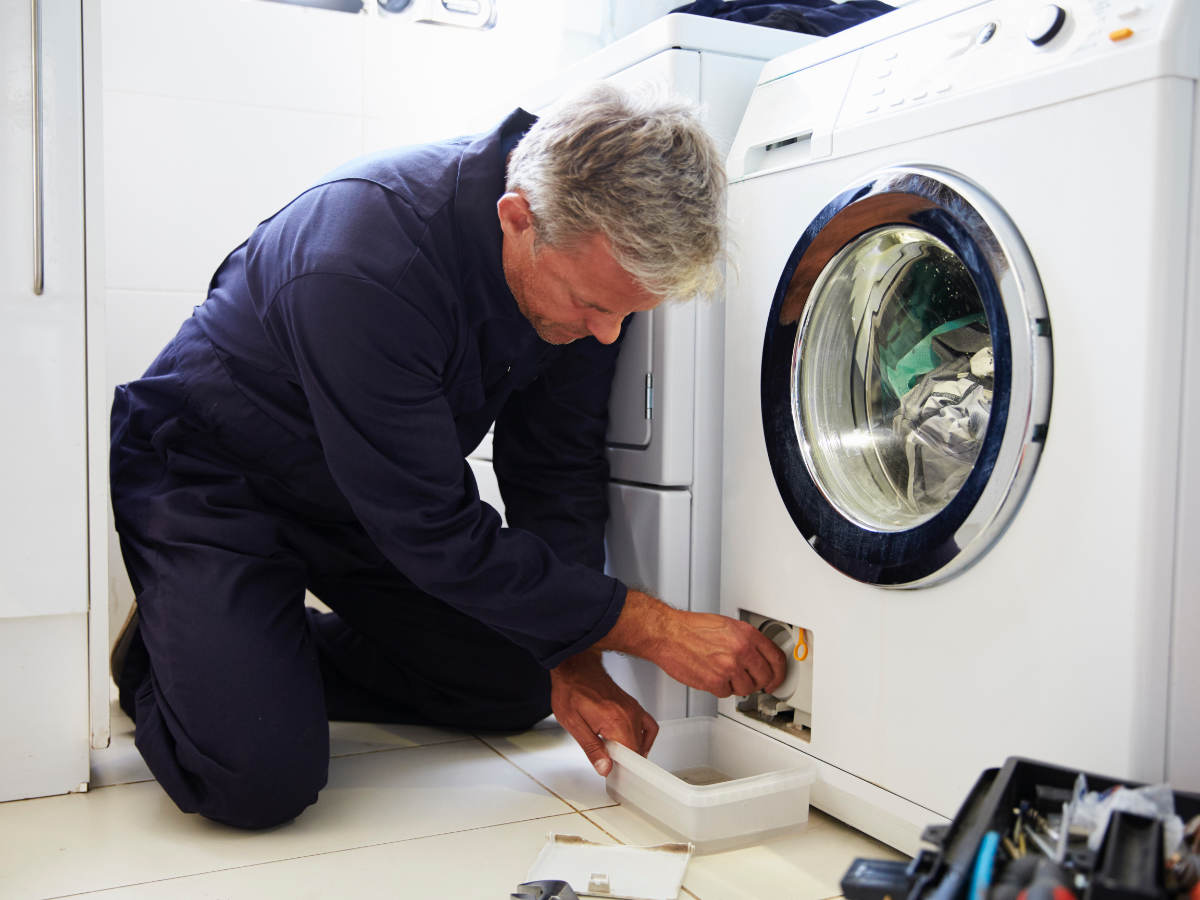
<point x="39" y="255"/>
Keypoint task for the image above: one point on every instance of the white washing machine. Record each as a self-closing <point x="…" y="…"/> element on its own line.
<point x="664" y="436"/>
<point x="962" y="399"/>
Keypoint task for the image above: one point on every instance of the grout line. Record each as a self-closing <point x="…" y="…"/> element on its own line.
<point x="345" y="755"/>
<point x="601" y="827"/>
<point x="352" y="753"/>
<point x="544" y="787"/>
<point x="186" y="292"/>
<point x="271" y="862"/>
<point x="548" y="789"/>
<point x="235" y="104"/>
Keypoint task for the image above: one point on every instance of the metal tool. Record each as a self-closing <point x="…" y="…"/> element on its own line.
<point x="544" y="890"/>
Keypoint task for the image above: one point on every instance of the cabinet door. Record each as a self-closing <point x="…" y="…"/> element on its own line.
<point x="43" y="454"/>
<point x="648" y="548"/>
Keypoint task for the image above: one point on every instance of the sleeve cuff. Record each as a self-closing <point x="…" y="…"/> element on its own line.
<point x="599" y="629"/>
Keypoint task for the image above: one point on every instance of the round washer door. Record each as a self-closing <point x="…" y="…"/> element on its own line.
<point x="906" y="376"/>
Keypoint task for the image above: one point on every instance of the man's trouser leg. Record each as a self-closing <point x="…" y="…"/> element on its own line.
<point x="224" y="680"/>
<point x="390" y="653"/>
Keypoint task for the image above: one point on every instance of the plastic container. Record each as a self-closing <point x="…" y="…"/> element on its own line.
<point x="714" y="782"/>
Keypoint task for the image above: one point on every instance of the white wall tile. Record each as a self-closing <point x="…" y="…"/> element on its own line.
<point x="139" y="325"/>
<point x="450" y="81"/>
<point x="186" y="181"/>
<point x="238" y="51"/>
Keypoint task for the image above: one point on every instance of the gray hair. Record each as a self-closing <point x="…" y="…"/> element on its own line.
<point x="638" y="169"/>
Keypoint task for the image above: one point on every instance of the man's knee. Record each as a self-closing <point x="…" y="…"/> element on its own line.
<point x="267" y="787"/>
<point x="243" y="777"/>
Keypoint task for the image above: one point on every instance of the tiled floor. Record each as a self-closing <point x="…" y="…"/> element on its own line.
<point x="408" y="813"/>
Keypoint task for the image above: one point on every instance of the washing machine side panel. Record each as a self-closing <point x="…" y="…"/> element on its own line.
<point x="1054" y="644"/>
<point x="1183" y="731"/>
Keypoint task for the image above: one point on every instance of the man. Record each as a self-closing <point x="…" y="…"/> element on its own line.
<point x="307" y="428"/>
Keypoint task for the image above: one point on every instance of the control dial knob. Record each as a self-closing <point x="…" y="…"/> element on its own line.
<point x="1045" y="23"/>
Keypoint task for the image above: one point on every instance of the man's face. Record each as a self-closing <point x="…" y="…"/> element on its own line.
<point x="568" y="293"/>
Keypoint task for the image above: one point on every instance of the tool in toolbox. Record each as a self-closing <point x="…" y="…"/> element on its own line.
<point x="1035" y="831"/>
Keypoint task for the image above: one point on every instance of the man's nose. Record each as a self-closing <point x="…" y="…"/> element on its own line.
<point x="605" y="329"/>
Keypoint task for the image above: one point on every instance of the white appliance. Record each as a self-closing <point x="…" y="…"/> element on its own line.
<point x="665" y="411"/>
<point x="44" y="508"/>
<point x="962" y="404"/>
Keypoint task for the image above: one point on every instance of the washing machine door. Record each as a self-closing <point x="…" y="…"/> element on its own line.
<point x="906" y="377"/>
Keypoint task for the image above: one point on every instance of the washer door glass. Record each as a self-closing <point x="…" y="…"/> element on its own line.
<point x="906" y="377"/>
<point x="893" y="382"/>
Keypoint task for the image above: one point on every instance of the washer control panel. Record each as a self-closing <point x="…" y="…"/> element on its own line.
<point x="990" y="43"/>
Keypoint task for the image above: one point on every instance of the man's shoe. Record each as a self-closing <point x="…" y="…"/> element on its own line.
<point x="120" y="650"/>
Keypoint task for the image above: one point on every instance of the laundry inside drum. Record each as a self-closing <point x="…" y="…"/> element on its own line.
<point x="892" y="381"/>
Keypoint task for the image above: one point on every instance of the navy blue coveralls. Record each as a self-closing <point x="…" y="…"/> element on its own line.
<point x="306" y="429"/>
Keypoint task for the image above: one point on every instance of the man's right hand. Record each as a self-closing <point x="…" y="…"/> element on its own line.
<point x="714" y="653"/>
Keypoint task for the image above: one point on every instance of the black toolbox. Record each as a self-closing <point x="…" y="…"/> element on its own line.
<point x="977" y="857"/>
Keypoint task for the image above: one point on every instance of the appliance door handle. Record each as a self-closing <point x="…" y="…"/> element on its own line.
<point x="39" y="249"/>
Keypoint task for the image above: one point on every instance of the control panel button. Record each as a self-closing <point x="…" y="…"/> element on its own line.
<point x="1120" y="34"/>
<point x="1045" y="23"/>
<point x="986" y="33"/>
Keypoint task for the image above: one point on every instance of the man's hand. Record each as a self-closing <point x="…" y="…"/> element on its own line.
<point x="588" y="703"/>
<point x="714" y="653"/>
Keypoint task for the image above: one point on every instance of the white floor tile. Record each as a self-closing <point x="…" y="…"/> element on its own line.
<point x="550" y="755"/>
<point x="485" y="863"/>
<point x="132" y="833"/>
<point x="805" y="864"/>
<point x="121" y="763"/>
<point x="349" y="738"/>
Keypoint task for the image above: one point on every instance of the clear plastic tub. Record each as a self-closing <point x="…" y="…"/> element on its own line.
<point x="714" y="782"/>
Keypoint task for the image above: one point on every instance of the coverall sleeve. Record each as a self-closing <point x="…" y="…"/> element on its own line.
<point x="550" y="454"/>
<point x="372" y="368"/>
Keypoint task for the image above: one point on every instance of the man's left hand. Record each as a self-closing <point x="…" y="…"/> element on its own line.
<point x="588" y="703"/>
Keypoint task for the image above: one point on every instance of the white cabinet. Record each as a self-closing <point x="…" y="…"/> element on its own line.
<point x="43" y="404"/>
<point x="648" y="534"/>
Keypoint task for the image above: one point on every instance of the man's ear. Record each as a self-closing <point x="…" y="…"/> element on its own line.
<point x="515" y="216"/>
